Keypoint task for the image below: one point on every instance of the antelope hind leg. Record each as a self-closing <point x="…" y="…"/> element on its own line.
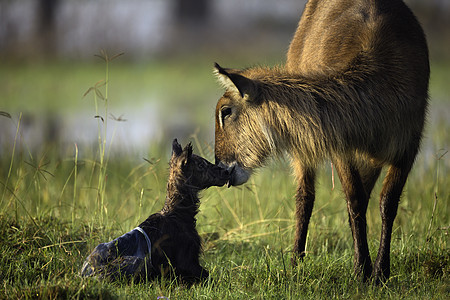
<point x="390" y="196"/>
<point x="357" y="201"/>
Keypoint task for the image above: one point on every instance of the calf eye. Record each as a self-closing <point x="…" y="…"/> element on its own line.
<point x="225" y="112"/>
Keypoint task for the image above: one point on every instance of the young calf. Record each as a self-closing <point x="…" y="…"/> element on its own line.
<point x="168" y="240"/>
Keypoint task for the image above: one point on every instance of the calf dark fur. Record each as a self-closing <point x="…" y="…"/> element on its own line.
<point x="167" y="242"/>
<point x="355" y="90"/>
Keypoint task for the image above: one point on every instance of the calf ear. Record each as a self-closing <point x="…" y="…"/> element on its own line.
<point x="188" y="150"/>
<point x="187" y="153"/>
<point x="176" y="148"/>
<point x="231" y="79"/>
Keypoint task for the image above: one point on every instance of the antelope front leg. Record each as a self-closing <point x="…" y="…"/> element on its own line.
<point x="357" y="201"/>
<point x="304" y="205"/>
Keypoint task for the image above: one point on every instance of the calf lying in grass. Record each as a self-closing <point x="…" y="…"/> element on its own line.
<point x="167" y="242"/>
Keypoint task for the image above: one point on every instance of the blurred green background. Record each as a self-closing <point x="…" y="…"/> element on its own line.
<point x="162" y="87"/>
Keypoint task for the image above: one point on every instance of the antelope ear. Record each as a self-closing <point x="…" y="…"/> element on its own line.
<point x="176" y="148"/>
<point x="232" y="80"/>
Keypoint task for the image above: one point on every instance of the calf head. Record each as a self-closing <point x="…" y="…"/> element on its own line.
<point x="194" y="171"/>
<point x="241" y="142"/>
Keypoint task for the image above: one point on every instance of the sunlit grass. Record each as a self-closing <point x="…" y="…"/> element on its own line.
<point x="247" y="233"/>
<point x="51" y="216"/>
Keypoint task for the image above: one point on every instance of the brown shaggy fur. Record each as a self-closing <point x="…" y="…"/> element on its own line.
<point x="354" y="89"/>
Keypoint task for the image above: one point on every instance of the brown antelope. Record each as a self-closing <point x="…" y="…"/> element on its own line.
<point x="167" y="239"/>
<point x="355" y="90"/>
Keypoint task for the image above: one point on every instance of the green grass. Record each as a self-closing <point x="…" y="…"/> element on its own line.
<point x="247" y="241"/>
<point x="51" y="214"/>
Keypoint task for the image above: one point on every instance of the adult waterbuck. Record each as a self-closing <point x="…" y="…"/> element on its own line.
<point x="355" y="90"/>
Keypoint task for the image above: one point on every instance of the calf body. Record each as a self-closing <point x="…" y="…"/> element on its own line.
<point x="167" y="242"/>
<point x="355" y="90"/>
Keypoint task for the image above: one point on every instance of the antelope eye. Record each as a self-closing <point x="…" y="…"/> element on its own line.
<point x="225" y="112"/>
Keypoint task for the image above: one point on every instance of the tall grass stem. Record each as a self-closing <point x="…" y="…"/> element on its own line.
<point x="75" y="185"/>
<point x="436" y="191"/>
<point x="11" y="166"/>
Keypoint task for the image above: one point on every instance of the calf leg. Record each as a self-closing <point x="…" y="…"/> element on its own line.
<point x="357" y="201"/>
<point x="390" y="196"/>
<point x="304" y="205"/>
<point x="188" y="265"/>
